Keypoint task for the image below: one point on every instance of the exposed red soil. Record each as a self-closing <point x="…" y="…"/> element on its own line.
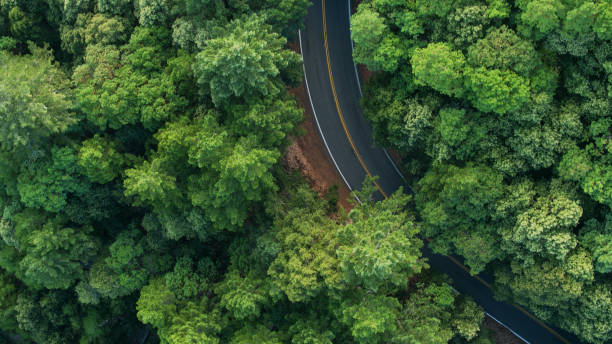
<point x="502" y="335"/>
<point x="308" y="154"/>
<point x="364" y="73"/>
<point x="395" y="156"/>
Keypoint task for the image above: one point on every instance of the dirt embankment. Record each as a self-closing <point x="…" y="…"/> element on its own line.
<point x="502" y="335"/>
<point x="309" y="155"/>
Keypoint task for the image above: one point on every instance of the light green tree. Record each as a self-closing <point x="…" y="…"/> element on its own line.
<point x="246" y="61"/>
<point x="99" y="159"/>
<point x="242" y="296"/>
<point x="255" y="334"/>
<point x="439" y="67"/>
<point x="36" y="99"/>
<point x="379" y="247"/>
<point x="194" y="323"/>
<point x="376" y="46"/>
<point x="370" y="317"/>
<point x="306" y="264"/>
<point x="496" y="90"/>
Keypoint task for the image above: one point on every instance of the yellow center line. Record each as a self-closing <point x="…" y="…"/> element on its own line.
<point x="333" y="87"/>
<point x="541" y="323"/>
<point x="348" y="135"/>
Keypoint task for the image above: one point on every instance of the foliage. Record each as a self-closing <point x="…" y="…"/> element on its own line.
<point x="143" y="189"/>
<point x="245" y="61"/>
<point x="379" y="247"/>
<point x="440" y="67"/>
<point x="307" y="262"/>
<point x="36" y="99"/>
<point x="501" y="114"/>
<point x="376" y="46"/>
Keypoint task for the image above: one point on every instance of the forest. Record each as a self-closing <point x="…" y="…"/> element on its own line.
<point x="502" y="113"/>
<point x="144" y="197"/>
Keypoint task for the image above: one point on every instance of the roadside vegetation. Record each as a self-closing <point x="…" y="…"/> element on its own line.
<point x="142" y="190"/>
<point x="502" y="114"/>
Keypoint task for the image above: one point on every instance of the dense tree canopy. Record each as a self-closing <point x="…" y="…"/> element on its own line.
<point x="143" y="192"/>
<point x="501" y="111"/>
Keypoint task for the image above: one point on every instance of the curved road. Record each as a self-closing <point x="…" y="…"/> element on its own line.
<point x="334" y="91"/>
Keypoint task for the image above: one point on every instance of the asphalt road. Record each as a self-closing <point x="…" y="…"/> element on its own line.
<point x="334" y="92"/>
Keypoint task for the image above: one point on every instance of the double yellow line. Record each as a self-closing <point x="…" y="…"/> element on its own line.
<point x="333" y="87"/>
<point x="350" y="139"/>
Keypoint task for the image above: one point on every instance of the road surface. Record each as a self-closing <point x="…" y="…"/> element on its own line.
<point x="334" y="91"/>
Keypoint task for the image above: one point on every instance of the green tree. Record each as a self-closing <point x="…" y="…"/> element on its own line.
<point x="48" y="183"/>
<point x="270" y="121"/>
<point x="545" y="228"/>
<point x="241" y="177"/>
<point x="590" y="316"/>
<point x="99" y="159"/>
<point x="540" y="17"/>
<point x="311" y="330"/>
<point x="596" y="237"/>
<point x="380" y="247"/>
<point x="152" y="12"/>
<point x="91" y="29"/>
<point x="116" y="7"/>
<point x="434" y="314"/>
<point x="194" y="323"/>
<point x="121" y="272"/>
<point x="503" y="49"/>
<point x="370" y="317"/>
<point x="188" y="282"/>
<point x="306" y="264"/>
<point x="246" y="61"/>
<point x="439" y="67"/>
<point x="36" y="99"/>
<point x="149" y="185"/>
<point x="8" y="300"/>
<point x="242" y="296"/>
<point x="468" y="24"/>
<point x="255" y="334"/>
<point x="458" y="207"/>
<point x="50" y="317"/>
<point x="461" y="132"/>
<point x="117" y="87"/>
<point x="590" y="168"/>
<point x="157" y="305"/>
<point x="376" y="46"/>
<point x="56" y="256"/>
<point x="547" y="285"/>
<point x="496" y="90"/>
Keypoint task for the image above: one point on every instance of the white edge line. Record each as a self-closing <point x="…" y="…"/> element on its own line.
<point x="361" y="94"/>
<point x="507" y="328"/>
<point x="394" y="166"/>
<point x="391" y="160"/>
<point x="384" y="150"/>
<point x="317" y="119"/>
<point x="353" y="49"/>
<point x="497" y="321"/>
